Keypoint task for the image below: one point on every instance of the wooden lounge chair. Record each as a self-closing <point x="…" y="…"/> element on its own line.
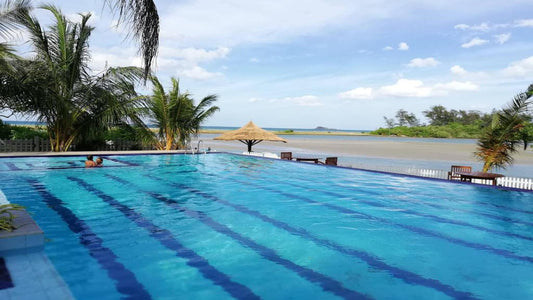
<point x="452" y="174"/>
<point x="330" y="161"/>
<point x="286" y="155"/>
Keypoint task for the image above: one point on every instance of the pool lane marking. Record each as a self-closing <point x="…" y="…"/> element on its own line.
<point x="371" y="260"/>
<point x="327" y="283"/>
<point x="355" y="214"/>
<point x="168" y="240"/>
<point x="12" y="166"/>
<point x="124" y="280"/>
<point x="425" y="215"/>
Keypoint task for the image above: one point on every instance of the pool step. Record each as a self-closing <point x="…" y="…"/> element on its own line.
<point x="27" y="235"/>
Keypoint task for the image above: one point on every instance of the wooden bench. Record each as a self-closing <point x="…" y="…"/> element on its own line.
<point x="452" y="174"/>
<point x="286" y="155"/>
<point x="315" y="160"/>
<point x="330" y="161"/>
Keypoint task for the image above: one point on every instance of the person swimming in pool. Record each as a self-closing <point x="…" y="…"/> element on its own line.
<point x="100" y="161"/>
<point x="89" y="163"/>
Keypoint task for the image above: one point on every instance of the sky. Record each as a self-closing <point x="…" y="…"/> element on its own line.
<point x="342" y="64"/>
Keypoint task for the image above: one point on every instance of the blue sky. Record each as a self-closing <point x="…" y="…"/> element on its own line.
<point x="335" y="63"/>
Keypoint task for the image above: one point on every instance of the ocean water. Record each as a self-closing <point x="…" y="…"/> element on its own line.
<point x="223" y="226"/>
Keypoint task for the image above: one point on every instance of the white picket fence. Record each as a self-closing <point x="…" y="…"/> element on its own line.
<point x="510" y="182"/>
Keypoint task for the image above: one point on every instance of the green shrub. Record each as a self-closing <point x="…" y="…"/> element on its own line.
<point x="25" y="133"/>
<point x="452" y="130"/>
<point x="7" y="217"/>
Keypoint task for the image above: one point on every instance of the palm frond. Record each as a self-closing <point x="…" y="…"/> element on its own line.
<point x="143" y="16"/>
<point x="11" y="12"/>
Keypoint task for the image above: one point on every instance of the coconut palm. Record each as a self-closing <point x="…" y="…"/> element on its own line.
<point x="508" y="130"/>
<point x="10" y="12"/>
<point x="175" y="114"/>
<point x="56" y="85"/>
<point x="143" y="16"/>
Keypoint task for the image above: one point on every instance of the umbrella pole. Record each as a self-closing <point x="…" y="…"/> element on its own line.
<point x="250" y="144"/>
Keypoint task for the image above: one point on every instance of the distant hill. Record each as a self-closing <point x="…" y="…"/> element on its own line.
<point x="320" y="128"/>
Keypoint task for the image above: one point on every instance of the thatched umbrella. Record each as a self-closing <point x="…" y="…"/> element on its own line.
<point x="250" y="134"/>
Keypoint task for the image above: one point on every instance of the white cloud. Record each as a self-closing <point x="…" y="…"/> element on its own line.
<point x="194" y="55"/>
<point x="199" y="73"/>
<point x="357" y="93"/>
<point x="253" y="99"/>
<point x="524" y="23"/>
<point x="403" y="46"/>
<point x="113" y="57"/>
<point x="423" y="62"/>
<point x="307" y="100"/>
<point x="457" y="86"/>
<point x="410" y="88"/>
<point x="480" y="27"/>
<point x="502" y="38"/>
<point x="186" y="61"/>
<point x="254" y="60"/>
<point x="458" y="70"/>
<point x="520" y="68"/>
<point x="388" y="48"/>
<point x="474" y="42"/>
<point x="406" y="88"/>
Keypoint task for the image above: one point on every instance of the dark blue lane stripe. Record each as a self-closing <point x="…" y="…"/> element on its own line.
<point x="373" y="261"/>
<point x="5" y="277"/>
<point x="167" y="239"/>
<point x="12" y="166"/>
<point x="360" y="215"/>
<point x="122" y="161"/>
<point x="124" y="279"/>
<point x="327" y="283"/>
<point x="416" y="213"/>
<point x="434" y="205"/>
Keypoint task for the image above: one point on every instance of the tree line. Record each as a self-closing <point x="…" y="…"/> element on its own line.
<point x="56" y="86"/>
<point x="500" y="134"/>
<point x="438" y="115"/>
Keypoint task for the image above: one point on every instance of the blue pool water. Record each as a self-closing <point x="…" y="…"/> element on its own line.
<point x="223" y="226"/>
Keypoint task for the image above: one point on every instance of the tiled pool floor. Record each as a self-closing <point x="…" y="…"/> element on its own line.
<point x="34" y="277"/>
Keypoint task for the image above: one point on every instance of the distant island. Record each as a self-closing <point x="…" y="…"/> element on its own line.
<point x="321" y="128"/>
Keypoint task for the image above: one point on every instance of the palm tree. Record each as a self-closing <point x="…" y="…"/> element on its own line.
<point x="175" y="114"/>
<point x="56" y="85"/>
<point x="143" y="16"/>
<point x="10" y="12"/>
<point x="508" y="130"/>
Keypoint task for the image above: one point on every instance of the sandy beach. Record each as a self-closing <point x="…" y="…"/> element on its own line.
<point x="426" y="153"/>
<point x="413" y="150"/>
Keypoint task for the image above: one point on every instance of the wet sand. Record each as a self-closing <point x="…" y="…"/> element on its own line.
<point x="410" y="150"/>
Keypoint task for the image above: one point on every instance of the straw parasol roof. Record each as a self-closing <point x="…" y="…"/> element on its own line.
<point x="250" y="134"/>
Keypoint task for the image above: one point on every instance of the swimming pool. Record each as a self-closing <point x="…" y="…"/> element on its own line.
<point x="222" y="226"/>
